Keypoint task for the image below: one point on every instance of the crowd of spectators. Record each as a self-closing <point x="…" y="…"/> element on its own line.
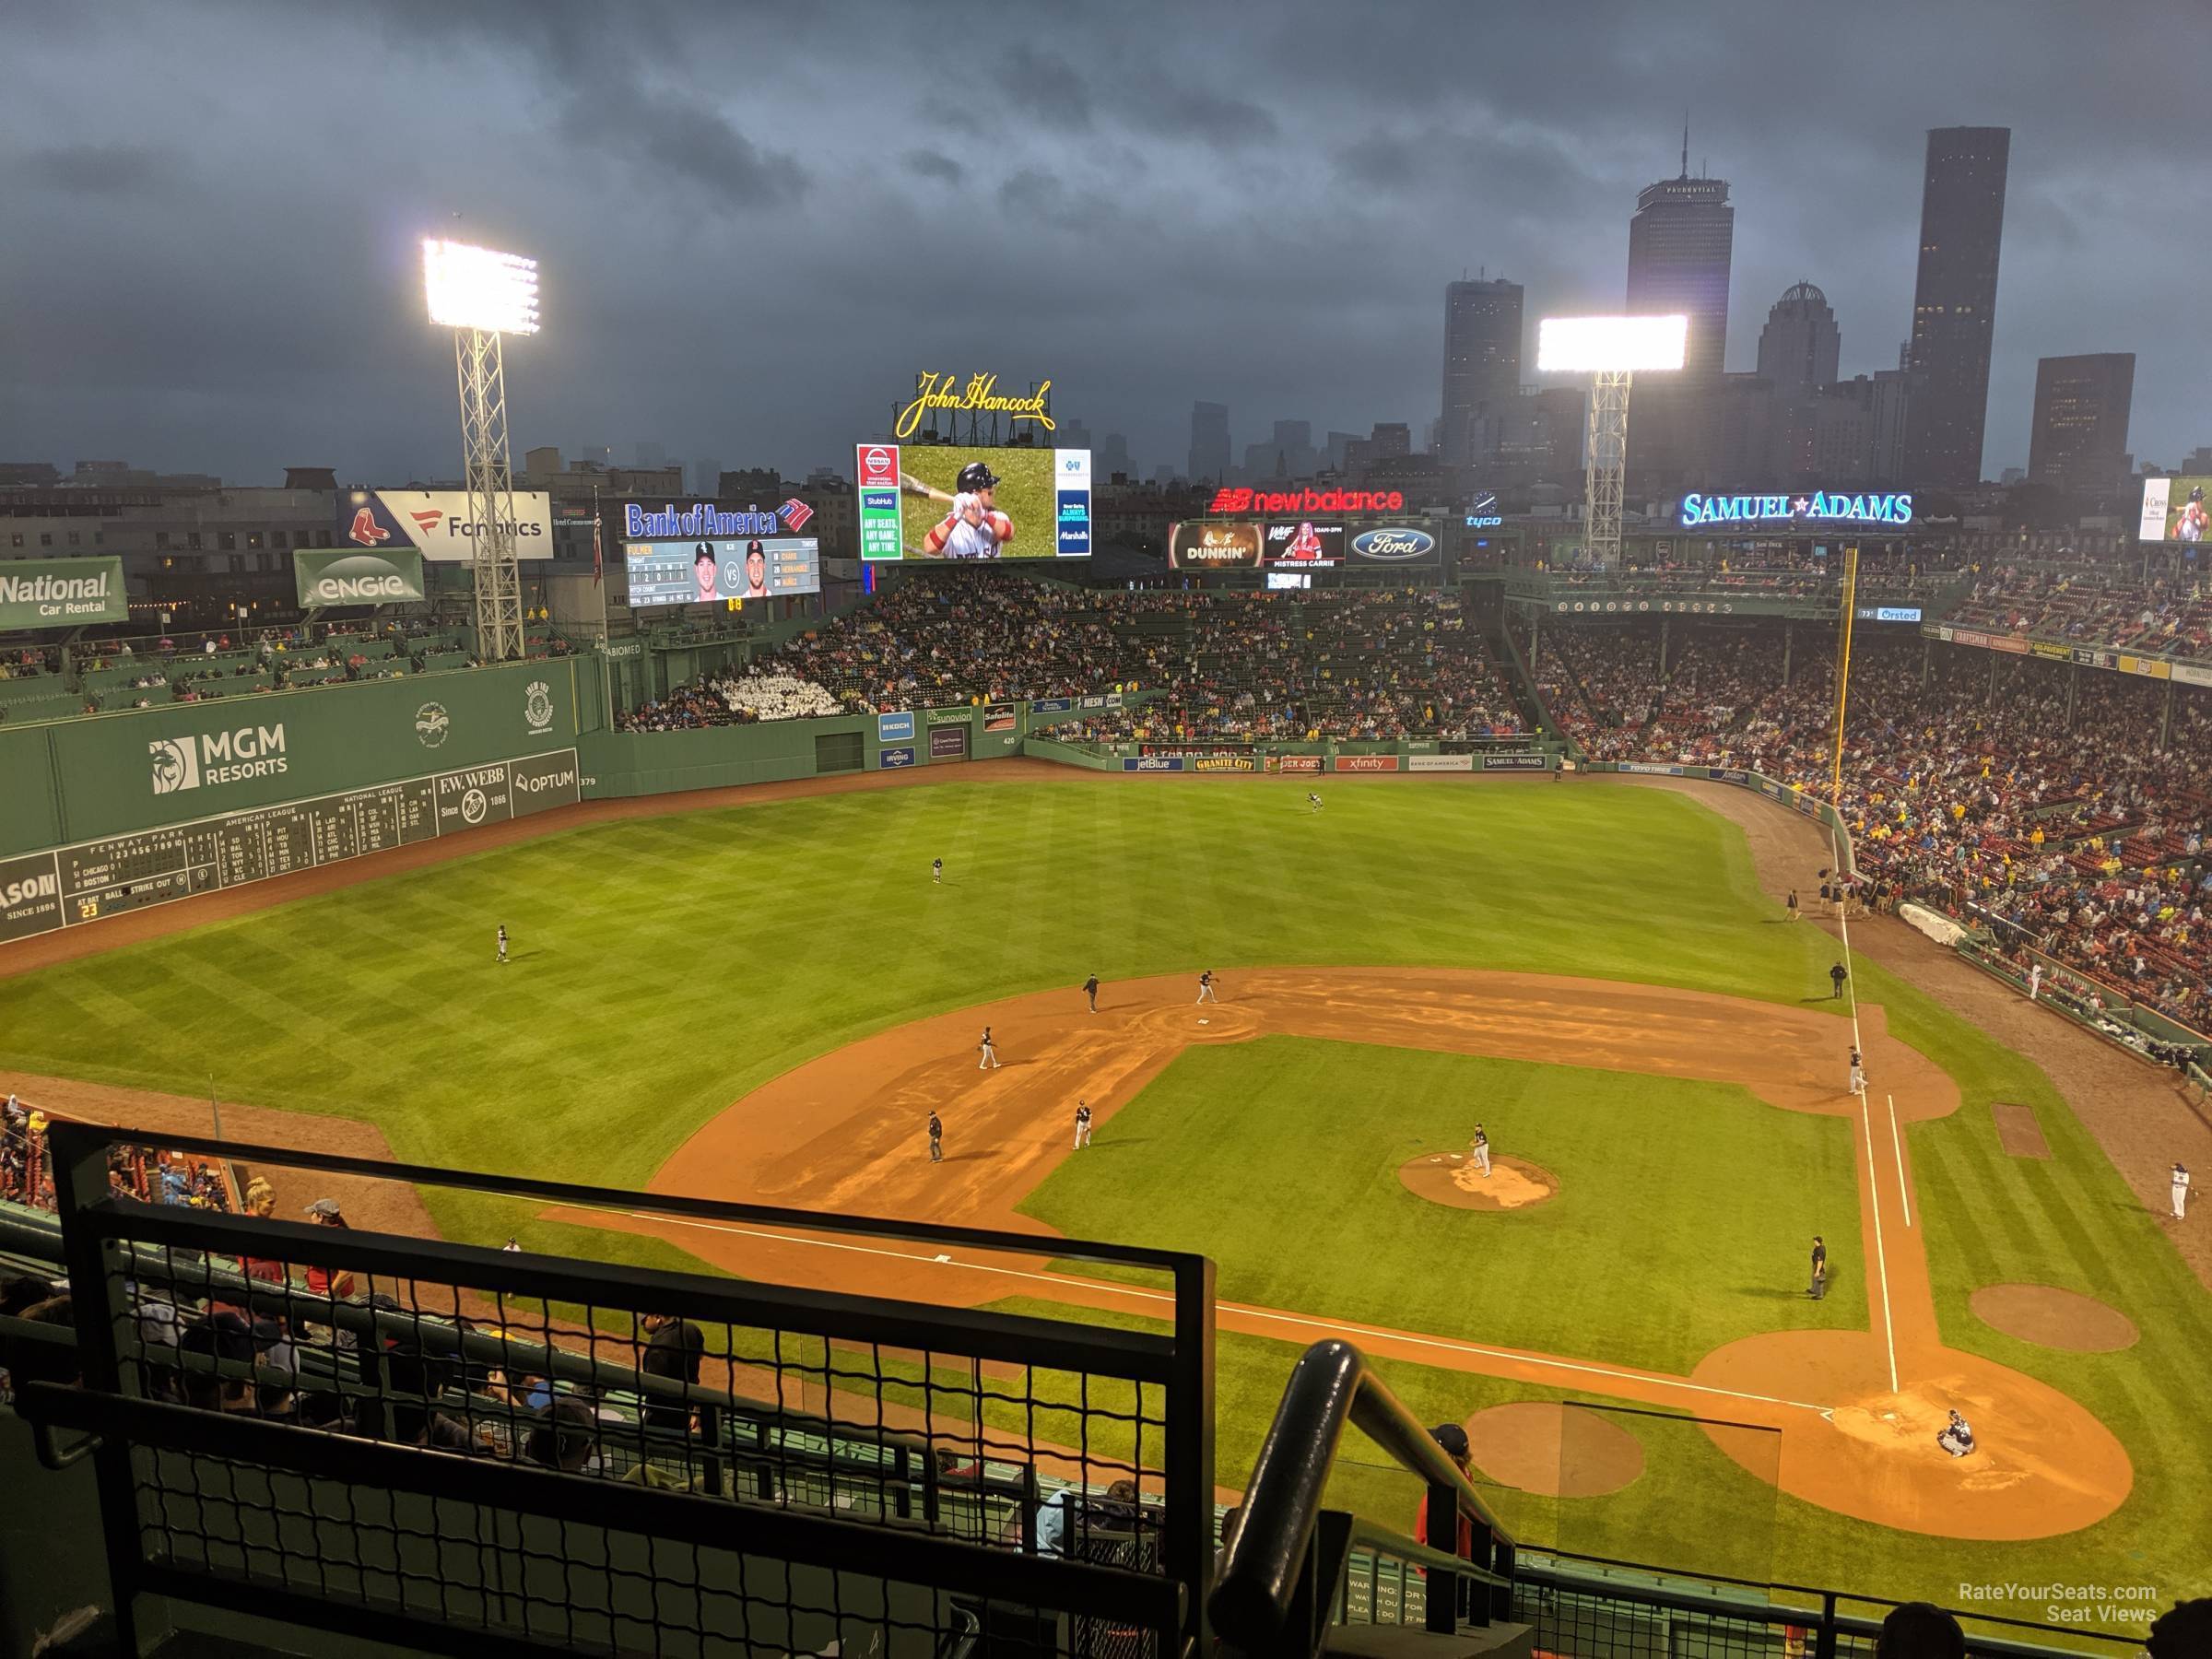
<point x="1235" y="665"/>
<point x="1981" y="783"/>
<point x="2160" y="615"/>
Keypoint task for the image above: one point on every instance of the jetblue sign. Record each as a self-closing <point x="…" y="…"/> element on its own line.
<point x="1821" y="507"/>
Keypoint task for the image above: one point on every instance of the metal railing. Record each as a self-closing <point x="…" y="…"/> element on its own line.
<point x="1283" y="1576"/>
<point x="481" y="1450"/>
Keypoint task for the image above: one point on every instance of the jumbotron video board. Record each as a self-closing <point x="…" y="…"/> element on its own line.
<point x="2176" y="510"/>
<point x="704" y="553"/>
<point x="932" y="501"/>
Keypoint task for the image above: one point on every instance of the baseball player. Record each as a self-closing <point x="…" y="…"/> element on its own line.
<point x="2035" y="981"/>
<point x="974" y="528"/>
<point x="2191" y="523"/>
<point x="1818" y="1289"/>
<point x="1480" y="1151"/>
<point x="1205" y="987"/>
<point x="502" y="942"/>
<point x="1793" y="904"/>
<point x="2181" y="1189"/>
<point x="1312" y="800"/>
<point x="1082" y="1126"/>
<point x="937" y="1136"/>
<point x="1090" y="989"/>
<point x="990" y="1054"/>
<point x="937" y="871"/>
<point x="1858" y="1074"/>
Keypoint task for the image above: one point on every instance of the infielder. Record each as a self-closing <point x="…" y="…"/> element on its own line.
<point x="1480" y="1151"/>
<point x="2181" y="1189"/>
<point x="990" y="1054"/>
<point x="1082" y="1126"/>
<point x="1858" y="1074"/>
<point x="1205" y="987"/>
<point x="1090" y="989"/>
<point x="937" y="1136"/>
<point x="974" y="528"/>
<point x="502" y="941"/>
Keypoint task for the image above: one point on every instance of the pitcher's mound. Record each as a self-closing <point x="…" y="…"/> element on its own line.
<point x="2053" y="1318"/>
<point x="1457" y="1179"/>
<point x="1559" y="1451"/>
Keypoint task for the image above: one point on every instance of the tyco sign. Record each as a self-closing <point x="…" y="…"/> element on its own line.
<point x="1821" y="507"/>
<point x="343" y="577"/>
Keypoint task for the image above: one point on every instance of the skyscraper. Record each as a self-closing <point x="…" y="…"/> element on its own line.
<point x="1680" y="244"/>
<point x="1482" y="359"/>
<point x="1209" y="442"/>
<point x="1800" y="345"/>
<point x="2081" y="411"/>
<point x="1955" y="302"/>
<point x="1797" y="355"/>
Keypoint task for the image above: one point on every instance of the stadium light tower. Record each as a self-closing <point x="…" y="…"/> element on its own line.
<point x="1609" y="349"/>
<point x="483" y="295"/>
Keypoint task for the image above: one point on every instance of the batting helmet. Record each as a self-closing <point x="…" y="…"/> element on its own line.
<point x="976" y="476"/>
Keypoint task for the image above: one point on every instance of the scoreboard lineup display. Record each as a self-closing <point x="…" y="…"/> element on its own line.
<point x="42" y="892"/>
<point x="701" y="570"/>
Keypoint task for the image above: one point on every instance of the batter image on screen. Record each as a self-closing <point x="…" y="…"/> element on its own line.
<point x="2190" y="523"/>
<point x="756" y="571"/>
<point x="702" y="562"/>
<point x="976" y="528"/>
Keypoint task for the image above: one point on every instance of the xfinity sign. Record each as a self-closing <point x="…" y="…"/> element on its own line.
<point x="1821" y="507"/>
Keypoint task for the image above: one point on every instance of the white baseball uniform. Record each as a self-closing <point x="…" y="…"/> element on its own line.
<point x="2181" y="1192"/>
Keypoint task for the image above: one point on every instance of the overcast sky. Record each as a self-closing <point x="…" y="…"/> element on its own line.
<point x="756" y="223"/>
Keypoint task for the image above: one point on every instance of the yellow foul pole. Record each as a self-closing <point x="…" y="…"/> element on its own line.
<point x="1851" y="594"/>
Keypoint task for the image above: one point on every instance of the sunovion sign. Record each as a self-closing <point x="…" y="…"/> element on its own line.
<point x="1821" y="507"/>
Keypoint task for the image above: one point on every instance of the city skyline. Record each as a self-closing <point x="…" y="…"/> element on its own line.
<point x="759" y="277"/>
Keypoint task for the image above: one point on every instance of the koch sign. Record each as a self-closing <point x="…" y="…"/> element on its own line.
<point x="1821" y="507"/>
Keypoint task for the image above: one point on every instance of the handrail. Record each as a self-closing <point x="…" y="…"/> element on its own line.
<point x="1331" y="1385"/>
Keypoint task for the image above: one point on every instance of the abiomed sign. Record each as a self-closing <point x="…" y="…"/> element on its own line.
<point x="60" y="592"/>
<point x="979" y="396"/>
<point x="1821" y="507"/>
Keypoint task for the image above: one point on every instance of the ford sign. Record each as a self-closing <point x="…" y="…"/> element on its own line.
<point x="1394" y="545"/>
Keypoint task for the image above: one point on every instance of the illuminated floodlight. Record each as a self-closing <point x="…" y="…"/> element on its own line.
<point x="477" y="288"/>
<point x="1610" y="345"/>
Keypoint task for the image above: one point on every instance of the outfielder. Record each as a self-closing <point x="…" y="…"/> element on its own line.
<point x="1480" y="1151"/>
<point x="502" y="942"/>
<point x="974" y="528"/>
<point x="1205" y="987"/>
<point x="990" y="1053"/>
<point x="1082" y="1126"/>
<point x="1313" y="800"/>
<point x="2181" y="1189"/>
<point x="937" y="871"/>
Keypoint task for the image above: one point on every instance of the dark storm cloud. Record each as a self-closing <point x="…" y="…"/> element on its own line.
<point x="97" y="169"/>
<point x="757" y="221"/>
<point x="930" y="164"/>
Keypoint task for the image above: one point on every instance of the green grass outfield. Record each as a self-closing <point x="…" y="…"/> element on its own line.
<point x="666" y="966"/>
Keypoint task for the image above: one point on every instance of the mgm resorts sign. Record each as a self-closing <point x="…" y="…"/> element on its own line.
<point x="1821" y="507"/>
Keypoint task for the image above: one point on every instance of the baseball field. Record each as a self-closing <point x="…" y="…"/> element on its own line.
<point x="761" y="1001"/>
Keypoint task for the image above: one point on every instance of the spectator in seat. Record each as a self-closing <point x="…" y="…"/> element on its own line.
<point x="674" y="1350"/>
<point x="2183" y="1632"/>
<point x="565" y="1438"/>
<point x="1920" y="1631"/>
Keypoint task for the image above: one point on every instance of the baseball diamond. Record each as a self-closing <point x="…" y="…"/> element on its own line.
<point x="1597" y="974"/>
